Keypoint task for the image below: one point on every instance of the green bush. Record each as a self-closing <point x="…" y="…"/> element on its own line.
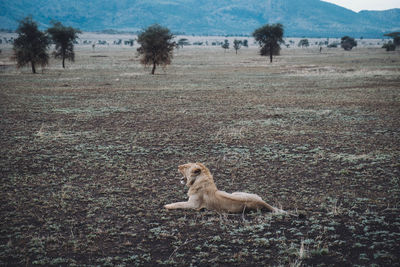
<point x="389" y="46"/>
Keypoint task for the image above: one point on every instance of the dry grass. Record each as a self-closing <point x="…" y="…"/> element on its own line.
<point x="89" y="157"/>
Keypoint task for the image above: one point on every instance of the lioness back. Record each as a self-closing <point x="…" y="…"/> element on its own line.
<point x="238" y="201"/>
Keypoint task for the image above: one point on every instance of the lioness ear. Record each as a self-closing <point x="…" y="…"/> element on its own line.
<point x="196" y="171"/>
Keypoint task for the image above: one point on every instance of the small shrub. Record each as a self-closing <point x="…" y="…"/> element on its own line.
<point x="390" y="46"/>
<point x="348" y="43"/>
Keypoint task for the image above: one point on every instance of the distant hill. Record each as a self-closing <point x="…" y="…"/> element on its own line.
<point x="310" y="18"/>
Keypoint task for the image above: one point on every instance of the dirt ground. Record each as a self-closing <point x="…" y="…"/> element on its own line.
<point x="89" y="157"/>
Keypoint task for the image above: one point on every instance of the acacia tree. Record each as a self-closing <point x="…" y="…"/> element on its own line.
<point x="156" y="46"/>
<point x="182" y="42"/>
<point x="304" y="43"/>
<point x="236" y="45"/>
<point x="31" y="45"/>
<point x="347" y="43"/>
<point x="391" y="46"/>
<point x="64" y="38"/>
<point x="225" y="45"/>
<point x="269" y="37"/>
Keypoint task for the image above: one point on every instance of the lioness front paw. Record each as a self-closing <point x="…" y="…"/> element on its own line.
<point x="168" y="206"/>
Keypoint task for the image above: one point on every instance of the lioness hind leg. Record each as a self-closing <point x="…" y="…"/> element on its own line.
<point x="267" y="207"/>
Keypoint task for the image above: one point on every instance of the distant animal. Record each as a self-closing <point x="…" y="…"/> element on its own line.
<point x="203" y="193"/>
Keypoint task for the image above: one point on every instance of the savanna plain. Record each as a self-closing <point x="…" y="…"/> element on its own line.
<point x="89" y="157"/>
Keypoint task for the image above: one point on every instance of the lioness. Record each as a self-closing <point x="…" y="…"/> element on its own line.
<point x="203" y="193"/>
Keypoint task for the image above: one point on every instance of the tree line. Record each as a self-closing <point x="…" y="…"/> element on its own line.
<point x="31" y="45"/>
<point x="156" y="43"/>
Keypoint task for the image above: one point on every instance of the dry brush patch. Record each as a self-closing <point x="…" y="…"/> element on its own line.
<point x="89" y="158"/>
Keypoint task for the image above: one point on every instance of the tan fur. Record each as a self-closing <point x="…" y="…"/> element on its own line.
<point x="203" y="193"/>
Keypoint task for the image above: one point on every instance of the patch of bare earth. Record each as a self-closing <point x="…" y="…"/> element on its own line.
<point x="89" y="157"/>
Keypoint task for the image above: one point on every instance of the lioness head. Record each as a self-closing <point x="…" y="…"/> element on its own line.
<point x="191" y="172"/>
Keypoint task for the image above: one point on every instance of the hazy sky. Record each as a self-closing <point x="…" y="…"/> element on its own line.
<point x="358" y="5"/>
